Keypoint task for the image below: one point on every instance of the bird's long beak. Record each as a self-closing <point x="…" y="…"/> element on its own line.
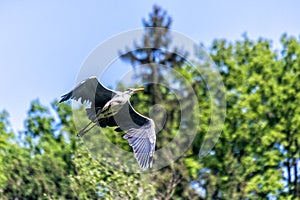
<point x="138" y="89"/>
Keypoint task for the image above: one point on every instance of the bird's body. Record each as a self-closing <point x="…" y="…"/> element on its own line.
<point x="114" y="105"/>
<point x="112" y="108"/>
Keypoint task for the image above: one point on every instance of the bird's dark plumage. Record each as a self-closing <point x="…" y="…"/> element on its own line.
<point x="140" y="129"/>
<point x="90" y="90"/>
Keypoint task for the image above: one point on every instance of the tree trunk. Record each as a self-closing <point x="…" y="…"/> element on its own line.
<point x="156" y="93"/>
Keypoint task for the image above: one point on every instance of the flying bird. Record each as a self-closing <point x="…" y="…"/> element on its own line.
<point x="112" y="108"/>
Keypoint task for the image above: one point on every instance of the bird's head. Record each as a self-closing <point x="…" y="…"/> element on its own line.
<point x="131" y="91"/>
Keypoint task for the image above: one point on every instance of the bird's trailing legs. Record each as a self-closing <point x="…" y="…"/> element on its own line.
<point x="83" y="131"/>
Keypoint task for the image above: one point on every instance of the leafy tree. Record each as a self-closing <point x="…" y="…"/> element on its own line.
<point x="254" y="153"/>
<point x="152" y="59"/>
<point x="48" y="161"/>
<point x="40" y="163"/>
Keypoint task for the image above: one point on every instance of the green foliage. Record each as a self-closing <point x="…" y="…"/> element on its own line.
<point x="5" y="136"/>
<point x="38" y="163"/>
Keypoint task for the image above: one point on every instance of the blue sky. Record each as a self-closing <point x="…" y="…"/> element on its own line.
<point x="44" y="43"/>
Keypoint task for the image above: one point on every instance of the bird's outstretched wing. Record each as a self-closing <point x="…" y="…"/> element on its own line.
<point x="142" y="140"/>
<point x="90" y="90"/>
<point x="140" y="134"/>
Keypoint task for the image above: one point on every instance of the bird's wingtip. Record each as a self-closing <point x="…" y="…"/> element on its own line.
<point x="65" y="97"/>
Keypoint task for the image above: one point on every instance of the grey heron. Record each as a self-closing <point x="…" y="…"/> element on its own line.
<point x="113" y="109"/>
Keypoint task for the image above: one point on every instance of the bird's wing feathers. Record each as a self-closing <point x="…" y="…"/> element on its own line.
<point x="142" y="140"/>
<point x="92" y="91"/>
<point x="140" y="134"/>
